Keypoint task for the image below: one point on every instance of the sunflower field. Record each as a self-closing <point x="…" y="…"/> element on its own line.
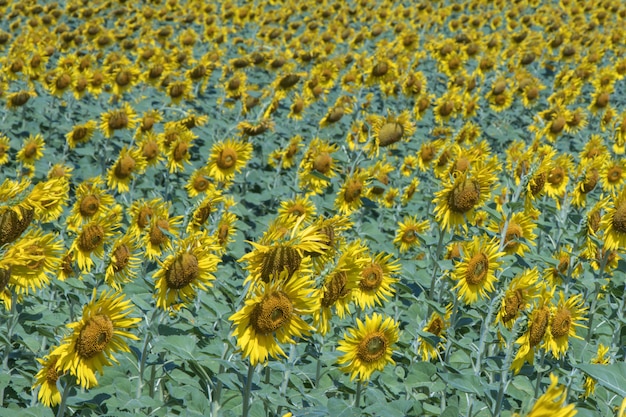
<point x="312" y="208"/>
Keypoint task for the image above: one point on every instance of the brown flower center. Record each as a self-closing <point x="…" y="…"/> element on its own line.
<point x="271" y="313"/>
<point x="512" y="304"/>
<point x="125" y="166"/>
<point x="5" y="276"/>
<point x="335" y="114"/>
<point x="227" y="158"/>
<point x="157" y="237"/>
<point x="51" y="374"/>
<point x="591" y="180"/>
<point x="121" y="257"/>
<point x="477" y="269"/>
<point x="181" y="150"/>
<point x="390" y="132"/>
<point x="409" y="236"/>
<point x="118" y="120"/>
<point x="30" y="150"/>
<point x="372" y="348"/>
<point x="20" y="98"/>
<point x="436" y="326"/>
<point x="556" y="176"/>
<point x="150" y="150"/>
<point x="200" y="183"/>
<point x="427" y="153"/>
<point x="63" y="81"/>
<point x="512" y="235"/>
<point x="222" y="233"/>
<point x="335" y="289"/>
<point x="537" y="183"/>
<point x="91" y="237"/>
<point x="379" y="69"/>
<point x="561" y="323"/>
<point x="277" y="259"/>
<point x="143" y="217"/>
<point x="619" y="218"/>
<point x="538" y="326"/>
<point x="323" y="162"/>
<point x="464" y="196"/>
<point x="371" y="277"/>
<point x="89" y="205"/>
<point x="94" y="336"/>
<point x="614" y="174"/>
<point x="182" y="272"/>
<point x="288" y="81"/>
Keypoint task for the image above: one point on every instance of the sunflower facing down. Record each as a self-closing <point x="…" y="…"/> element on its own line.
<point x="518" y="234"/>
<point x="475" y="273"/>
<point x="228" y="158"/>
<point x="272" y="315"/>
<point x="100" y="332"/>
<point x="389" y="130"/>
<point x="521" y="291"/>
<point x="117" y="119"/>
<point x="186" y="271"/>
<point x="46" y="379"/>
<point x="123" y="262"/>
<point x="436" y="326"/>
<point x="348" y="198"/>
<point x="368" y="347"/>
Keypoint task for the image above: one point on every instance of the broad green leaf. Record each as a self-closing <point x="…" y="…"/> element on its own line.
<point x="612" y="376"/>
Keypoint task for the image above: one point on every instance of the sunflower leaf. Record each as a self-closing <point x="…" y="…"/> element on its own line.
<point x="612" y="377"/>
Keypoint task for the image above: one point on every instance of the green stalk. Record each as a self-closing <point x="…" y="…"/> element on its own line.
<point x="433" y="279"/>
<point x="504" y="376"/>
<point x="357" y="395"/>
<point x="64" y="395"/>
<point x="11" y="322"/>
<point x="246" y="391"/>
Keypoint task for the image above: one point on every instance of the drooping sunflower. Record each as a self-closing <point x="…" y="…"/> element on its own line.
<point x="566" y="317"/>
<point x="368" y="347"/>
<point x="129" y="163"/>
<point x="536" y="330"/>
<point x="189" y="269"/>
<point x="46" y="379"/>
<point x="588" y="181"/>
<point x="429" y="347"/>
<point x="123" y="263"/>
<point x="19" y="98"/>
<point x="228" y="158"/>
<point x="613" y="223"/>
<point x="32" y="150"/>
<point x="558" y="177"/>
<point x="117" y="119"/>
<point x="377" y="279"/>
<point x="338" y="284"/>
<point x="354" y="187"/>
<point x="389" y="130"/>
<point x="225" y="231"/>
<point x="407" y="235"/>
<point x="99" y="333"/>
<point x="179" y="152"/>
<point x="457" y="202"/>
<point x="203" y="210"/>
<point x="151" y="148"/>
<point x="519" y="295"/>
<point x="272" y="314"/>
<point x="518" y="234"/>
<point x="475" y="273"/>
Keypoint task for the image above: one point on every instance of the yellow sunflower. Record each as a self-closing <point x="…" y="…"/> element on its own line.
<point x="4" y="149"/>
<point x="160" y="229"/>
<point x="601" y="358"/>
<point x="297" y="207"/>
<point x="179" y="152"/>
<point x="100" y="332"/>
<point x="123" y="263"/>
<point x="348" y="198"/>
<point x="117" y="119"/>
<point x="203" y="210"/>
<point x="32" y="150"/>
<point x="181" y="274"/>
<point x="407" y="235"/>
<point x="564" y="321"/>
<point x="225" y="230"/>
<point x="614" y="223"/>
<point x="389" y="130"/>
<point x="272" y="314"/>
<point x="368" y="347"/>
<point x="228" y="158"/>
<point x="613" y="175"/>
<point x="317" y="166"/>
<point x="429" y="346"/>
<point x="141" y="211"/>
<point x="91" y="201"/>
<point x="338" y="284"/>
<point x="475" y="273"/>
<point x="518" y="234"/>
<point x="521" y="291"/>
<point x="536" y="330"/>
<point x="46" y="379"/>
<point x="552" y="402"/>
<point x="92" y="236"/>
<point x="81" y="133"/>
<point x="457" y="202"/>
<point x="129" y="163"/>
<point x="377" y="279"/>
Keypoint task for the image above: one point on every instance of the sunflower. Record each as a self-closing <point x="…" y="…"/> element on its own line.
<point x="225" y="230"/>
<point x="588" y="181"/>
<point x="427" y="154"/>
<point x="536" y="330"/>
<point x="429" y="346"/>
<point x="31" y="260"/>
<point x="272" y="315"/>
<point x="178" y="153"/>
<point x="122" y="77"/>
<point x="518" y="234"/>
<point x="475" y="273"/>
<point x="461" y="196"/>
<point x="377" y="278"/>
<point x="91" y="201"/>
<point x="228" y="158"/>
<point x="81" y="133"/>
<point x="199" y="183"/>
<point x="317" y="166"/>
<point x="141" y="211"/>
<point x="380" y="69"/>
<point x="180" y="90"/>
<point x="601" y="358"/>
<point x="19" y="99"/>
<point x="121" y="173"/>
<point x="92" y="236"/>
<point x="100" y="332"/>
<point x="4" y="149"/>
<point x="190" y="268"/>
<point x="353" y="188"/>
<point x="123" y="263"/>
<point x="558" y="177"/>
<point x="46" y="379"/>
<point x="280" y="250"/>
<point x="32" y="150"/>
<point x="407" y="235"/>
<point x="389" y="130"/>
<point x="614" y="223"/>
<point x="117" y="119"/>
<point x="151" y="148"/>
<point x="60" y="81"/>
<point x="297" y="207"/>
<point x="368" y="347"/>
<point x="552" y="402"/>
<point x="338" y="284"/>
<point x="613" y="175"/>
<point x="565" y="319"/>
<point x="335" y="113"/>
<point x="204" y="209"/>
<point x="287" y="156"/>
<point x="521" y="291"/>
<point x="409" y="191"/>
<point x="161" y="228"/>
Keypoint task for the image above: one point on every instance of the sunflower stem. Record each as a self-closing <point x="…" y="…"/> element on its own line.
<point x="64" y="395"/>
<point x="484" y="329"/>
<point x="247" y="389"/>
<point x="13" y="317"/>
<point x="433" y="279"/>
<point x="357" y="395"/>
<point x="504" y="376"/>
<point x="540" y="373"/>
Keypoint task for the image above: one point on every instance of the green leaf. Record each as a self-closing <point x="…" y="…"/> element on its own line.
<point x="463" y="382"/>
<point x="339" y="408"/>
<point x="612" y="377"/>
